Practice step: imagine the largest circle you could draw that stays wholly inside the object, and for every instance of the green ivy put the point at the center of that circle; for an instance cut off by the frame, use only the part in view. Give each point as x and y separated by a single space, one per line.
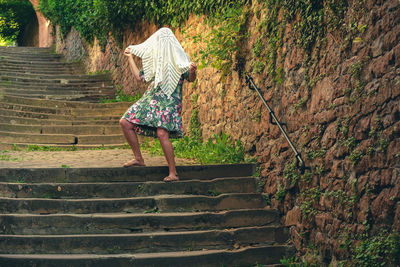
99 17
382 249
219 149
195 126
120 96
14 17
224 41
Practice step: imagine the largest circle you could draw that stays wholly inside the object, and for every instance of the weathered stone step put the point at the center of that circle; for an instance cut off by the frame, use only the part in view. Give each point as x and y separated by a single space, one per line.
133 174
113 111
141 242
13 137
159 203
71 94
29 57
26 49
37 115
34 122
61 129
49 71
64 92
247 256
70 147
57 104
30 88
8 80
36 64
58 76
32 69
10 137
127 189
65 224
84 97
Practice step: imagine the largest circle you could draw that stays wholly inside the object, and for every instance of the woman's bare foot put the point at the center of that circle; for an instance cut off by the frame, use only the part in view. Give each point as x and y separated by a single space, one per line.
134 162
171 178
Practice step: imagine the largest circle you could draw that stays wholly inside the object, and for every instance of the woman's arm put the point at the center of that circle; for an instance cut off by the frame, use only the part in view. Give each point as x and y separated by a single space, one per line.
132 65
192 72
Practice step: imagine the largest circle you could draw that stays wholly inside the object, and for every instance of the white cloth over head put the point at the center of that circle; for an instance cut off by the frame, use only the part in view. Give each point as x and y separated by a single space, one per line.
163 59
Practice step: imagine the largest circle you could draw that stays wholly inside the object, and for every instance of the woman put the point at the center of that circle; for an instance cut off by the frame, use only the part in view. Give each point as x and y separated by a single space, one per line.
158 112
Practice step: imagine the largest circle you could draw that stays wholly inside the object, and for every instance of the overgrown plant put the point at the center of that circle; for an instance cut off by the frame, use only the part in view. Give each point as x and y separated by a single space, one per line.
219 149
100 17
382 249
120 96
14 17
228 30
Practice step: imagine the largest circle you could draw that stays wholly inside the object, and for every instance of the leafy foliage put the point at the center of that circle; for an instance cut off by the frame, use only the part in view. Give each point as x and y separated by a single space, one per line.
99 17
120 96
14 16
220 149
382 249
223 42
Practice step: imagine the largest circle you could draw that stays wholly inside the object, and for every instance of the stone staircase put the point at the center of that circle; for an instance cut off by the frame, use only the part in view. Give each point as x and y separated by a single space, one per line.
128 217
47 101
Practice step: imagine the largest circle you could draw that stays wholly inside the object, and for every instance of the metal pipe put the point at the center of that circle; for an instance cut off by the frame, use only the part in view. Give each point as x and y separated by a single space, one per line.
299 160
112 53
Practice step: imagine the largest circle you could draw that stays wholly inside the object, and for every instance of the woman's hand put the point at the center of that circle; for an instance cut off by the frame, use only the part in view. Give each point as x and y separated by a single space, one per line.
193 67
192 72
127 52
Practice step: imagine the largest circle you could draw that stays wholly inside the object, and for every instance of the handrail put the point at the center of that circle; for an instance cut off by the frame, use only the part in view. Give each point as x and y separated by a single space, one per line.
299 160
112 53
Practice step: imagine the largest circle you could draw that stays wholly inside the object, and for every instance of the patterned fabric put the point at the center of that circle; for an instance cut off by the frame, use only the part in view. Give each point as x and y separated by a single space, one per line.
156 109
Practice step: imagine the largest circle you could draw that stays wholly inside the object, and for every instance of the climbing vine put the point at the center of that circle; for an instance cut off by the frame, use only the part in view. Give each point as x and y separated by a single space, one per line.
14 16
310 20
100 17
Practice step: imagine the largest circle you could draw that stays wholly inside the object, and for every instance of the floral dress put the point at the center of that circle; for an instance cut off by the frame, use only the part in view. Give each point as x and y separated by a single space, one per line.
155 109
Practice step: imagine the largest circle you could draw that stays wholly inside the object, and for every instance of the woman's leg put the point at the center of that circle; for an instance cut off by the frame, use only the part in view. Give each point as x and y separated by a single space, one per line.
131 137
166 145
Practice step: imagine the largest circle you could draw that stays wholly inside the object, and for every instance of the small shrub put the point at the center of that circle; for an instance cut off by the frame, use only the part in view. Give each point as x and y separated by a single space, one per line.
382 249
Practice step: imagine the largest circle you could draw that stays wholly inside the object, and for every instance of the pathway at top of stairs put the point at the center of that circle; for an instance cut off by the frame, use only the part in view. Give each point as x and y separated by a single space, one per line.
47 101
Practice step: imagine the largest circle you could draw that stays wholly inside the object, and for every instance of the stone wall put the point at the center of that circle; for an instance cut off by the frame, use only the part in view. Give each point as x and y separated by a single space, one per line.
344 119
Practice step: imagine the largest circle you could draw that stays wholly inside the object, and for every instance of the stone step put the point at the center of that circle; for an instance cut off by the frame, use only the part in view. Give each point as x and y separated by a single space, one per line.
57 104
26 49
14 137
142 242
10 137
247 256
72 68
61 129
42 77
149 204
83 97
29 57
44 116
72 93
94 95
47 122
100 82
50 71
73 147
37 64
122 223
113 111
213 187
133 174
68 92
